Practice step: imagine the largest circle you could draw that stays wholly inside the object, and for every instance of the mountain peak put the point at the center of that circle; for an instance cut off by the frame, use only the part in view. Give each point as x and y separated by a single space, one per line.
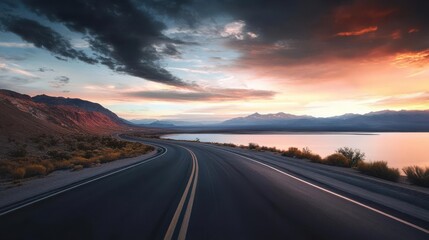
256 114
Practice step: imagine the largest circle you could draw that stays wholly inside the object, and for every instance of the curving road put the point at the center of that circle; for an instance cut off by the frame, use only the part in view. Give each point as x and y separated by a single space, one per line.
200 191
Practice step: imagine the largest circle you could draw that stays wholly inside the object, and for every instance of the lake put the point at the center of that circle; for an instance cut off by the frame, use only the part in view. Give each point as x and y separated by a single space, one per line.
398 149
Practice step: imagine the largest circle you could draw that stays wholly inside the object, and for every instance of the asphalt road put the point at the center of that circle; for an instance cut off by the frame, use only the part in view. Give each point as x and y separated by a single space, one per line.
199 191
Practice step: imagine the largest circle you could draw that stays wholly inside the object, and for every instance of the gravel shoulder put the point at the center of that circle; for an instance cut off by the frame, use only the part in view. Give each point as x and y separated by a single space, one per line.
11 192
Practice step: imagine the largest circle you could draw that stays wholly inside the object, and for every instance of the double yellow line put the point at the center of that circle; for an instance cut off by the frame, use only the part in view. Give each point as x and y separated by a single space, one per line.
193 179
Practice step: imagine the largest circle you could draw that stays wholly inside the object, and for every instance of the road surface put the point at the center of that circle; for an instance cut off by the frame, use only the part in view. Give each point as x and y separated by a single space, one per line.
200 191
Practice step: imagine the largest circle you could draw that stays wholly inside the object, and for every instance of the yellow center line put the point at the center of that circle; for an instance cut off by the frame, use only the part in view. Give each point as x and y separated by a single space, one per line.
175 219
185 222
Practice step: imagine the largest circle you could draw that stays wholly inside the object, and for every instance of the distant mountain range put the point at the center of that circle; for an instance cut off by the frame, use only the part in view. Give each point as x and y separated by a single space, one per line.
381 121
45 114
22 114
170 123
257 119
373 121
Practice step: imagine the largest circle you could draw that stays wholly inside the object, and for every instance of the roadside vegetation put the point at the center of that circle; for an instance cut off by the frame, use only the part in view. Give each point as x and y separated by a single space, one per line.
417 175
349 158
379 169
46 153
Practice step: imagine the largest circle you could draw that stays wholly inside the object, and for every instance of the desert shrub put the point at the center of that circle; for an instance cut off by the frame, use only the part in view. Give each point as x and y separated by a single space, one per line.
337 159
355 156
62 164
82 161
253 146
306 153
83 146
229 145
379 169
269 149
20 151
34 170
417 175
52 141
17 173
58 155
88 155
292 152
41 147
48 165
108 157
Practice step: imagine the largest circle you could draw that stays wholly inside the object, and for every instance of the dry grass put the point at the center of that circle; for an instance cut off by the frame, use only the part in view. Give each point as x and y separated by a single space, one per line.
417 175
305 153
336 159
379 169
46 154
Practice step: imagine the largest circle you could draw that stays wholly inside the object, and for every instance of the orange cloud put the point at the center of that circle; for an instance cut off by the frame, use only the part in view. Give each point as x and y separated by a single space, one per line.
357 33
407 59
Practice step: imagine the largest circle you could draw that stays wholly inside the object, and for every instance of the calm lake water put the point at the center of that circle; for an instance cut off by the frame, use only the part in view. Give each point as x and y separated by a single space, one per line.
398 149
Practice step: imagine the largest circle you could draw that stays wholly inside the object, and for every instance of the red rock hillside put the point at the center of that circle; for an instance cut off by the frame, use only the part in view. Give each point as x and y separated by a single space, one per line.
20 115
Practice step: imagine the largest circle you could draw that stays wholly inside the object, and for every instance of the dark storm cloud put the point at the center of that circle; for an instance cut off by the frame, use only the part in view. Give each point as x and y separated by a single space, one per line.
124 34
121 32
43 37
212 94
310 30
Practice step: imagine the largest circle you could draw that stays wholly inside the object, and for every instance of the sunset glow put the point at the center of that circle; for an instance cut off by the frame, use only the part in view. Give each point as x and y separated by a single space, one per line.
210 64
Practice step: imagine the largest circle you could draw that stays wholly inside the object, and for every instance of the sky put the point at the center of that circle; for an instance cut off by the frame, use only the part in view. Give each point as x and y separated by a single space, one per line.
211 60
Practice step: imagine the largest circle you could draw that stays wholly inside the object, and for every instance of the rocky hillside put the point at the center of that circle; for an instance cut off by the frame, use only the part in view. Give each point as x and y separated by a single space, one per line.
23 115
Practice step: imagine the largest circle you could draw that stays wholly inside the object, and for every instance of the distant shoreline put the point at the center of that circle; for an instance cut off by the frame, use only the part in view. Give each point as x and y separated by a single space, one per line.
281 133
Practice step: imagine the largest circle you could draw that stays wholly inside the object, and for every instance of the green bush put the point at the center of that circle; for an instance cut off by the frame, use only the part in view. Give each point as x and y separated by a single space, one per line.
417 175
337 159
379 169
355 156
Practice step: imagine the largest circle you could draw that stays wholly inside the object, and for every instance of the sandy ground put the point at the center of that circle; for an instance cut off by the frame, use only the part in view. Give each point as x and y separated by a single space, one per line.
13 192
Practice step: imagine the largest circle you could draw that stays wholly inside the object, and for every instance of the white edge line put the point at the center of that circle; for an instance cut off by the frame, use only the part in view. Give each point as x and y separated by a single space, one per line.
80 184
336 194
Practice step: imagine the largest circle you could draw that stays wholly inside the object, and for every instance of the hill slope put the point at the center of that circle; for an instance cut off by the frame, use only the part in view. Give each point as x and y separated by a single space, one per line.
22 114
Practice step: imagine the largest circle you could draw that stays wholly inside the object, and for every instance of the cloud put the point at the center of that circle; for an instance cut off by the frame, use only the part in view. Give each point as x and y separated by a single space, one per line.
358 32
407 59
45 69
14 82
43 37
122 33
60 82
318 31
403 100
16 45
213 94
235 30
13 68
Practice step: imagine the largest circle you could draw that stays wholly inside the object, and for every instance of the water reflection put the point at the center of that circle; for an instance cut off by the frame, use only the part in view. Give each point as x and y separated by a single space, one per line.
398 149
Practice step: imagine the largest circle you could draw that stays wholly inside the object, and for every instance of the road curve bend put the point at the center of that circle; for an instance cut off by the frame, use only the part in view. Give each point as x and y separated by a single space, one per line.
200 191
